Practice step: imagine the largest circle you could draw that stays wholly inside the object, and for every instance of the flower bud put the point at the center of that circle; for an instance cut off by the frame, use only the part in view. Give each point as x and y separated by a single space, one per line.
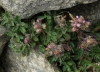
44 26
37 26
38 30
77 16
74 29
39 20
26 40
79 20
78 25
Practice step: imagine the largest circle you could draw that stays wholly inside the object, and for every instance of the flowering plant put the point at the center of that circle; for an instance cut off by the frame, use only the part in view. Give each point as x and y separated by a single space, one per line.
70 44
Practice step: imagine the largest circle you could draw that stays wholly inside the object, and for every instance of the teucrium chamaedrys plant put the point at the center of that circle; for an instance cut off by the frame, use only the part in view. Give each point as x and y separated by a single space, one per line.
67 43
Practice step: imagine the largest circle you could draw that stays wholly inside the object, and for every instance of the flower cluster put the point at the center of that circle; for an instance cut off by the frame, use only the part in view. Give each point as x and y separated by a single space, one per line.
57 50
88 42
27 39
38 26
79 23
60 20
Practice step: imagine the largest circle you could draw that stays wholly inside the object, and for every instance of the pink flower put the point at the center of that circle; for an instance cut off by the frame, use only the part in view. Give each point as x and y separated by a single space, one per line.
75 25
38 30
79 20
77 16
88 23
39 20
49 46
74 29
78 25
26 40
84 21
34 23
37 26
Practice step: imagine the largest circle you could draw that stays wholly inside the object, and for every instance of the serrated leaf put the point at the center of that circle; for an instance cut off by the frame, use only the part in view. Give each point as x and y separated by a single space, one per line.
35 38
79 54
23 48
67 36
54 33
10 33
48 17
22 24
61 40
59 34
17 19
41 17
17 39
12 23
23 30
14 29
42 48
98 36
54 38
64 68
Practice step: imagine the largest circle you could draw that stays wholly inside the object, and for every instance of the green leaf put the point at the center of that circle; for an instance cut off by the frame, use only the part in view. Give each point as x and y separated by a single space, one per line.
54 33
14 29
22 24
79 54
54 38
11 45
9 33
35 38
42 48
70 63
61 40
98 36
48 17
67 36
7 13
12 22
69 29
41 17
68 68
21 37
33 44
3 22
23 30
59 34
17 39
64 30
23 47
64 68
5 19
17 20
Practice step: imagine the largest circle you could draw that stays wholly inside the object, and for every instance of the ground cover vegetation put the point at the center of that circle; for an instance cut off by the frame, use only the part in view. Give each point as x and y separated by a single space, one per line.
71 42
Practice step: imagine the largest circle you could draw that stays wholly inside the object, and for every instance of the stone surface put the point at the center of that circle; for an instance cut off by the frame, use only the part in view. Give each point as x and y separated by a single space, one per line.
27 8
3 38
35 62
90 11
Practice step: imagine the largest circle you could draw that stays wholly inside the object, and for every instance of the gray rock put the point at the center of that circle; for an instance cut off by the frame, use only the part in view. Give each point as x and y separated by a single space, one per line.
3 38
35 62
1 70
27 8
90 11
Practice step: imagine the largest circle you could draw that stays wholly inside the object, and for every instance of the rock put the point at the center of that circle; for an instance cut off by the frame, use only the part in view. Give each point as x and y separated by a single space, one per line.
27 8
3 38
90 11
35 62
1 70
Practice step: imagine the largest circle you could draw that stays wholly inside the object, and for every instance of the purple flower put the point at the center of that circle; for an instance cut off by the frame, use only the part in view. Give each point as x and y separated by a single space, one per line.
26 40
78 25
74 29
77 16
